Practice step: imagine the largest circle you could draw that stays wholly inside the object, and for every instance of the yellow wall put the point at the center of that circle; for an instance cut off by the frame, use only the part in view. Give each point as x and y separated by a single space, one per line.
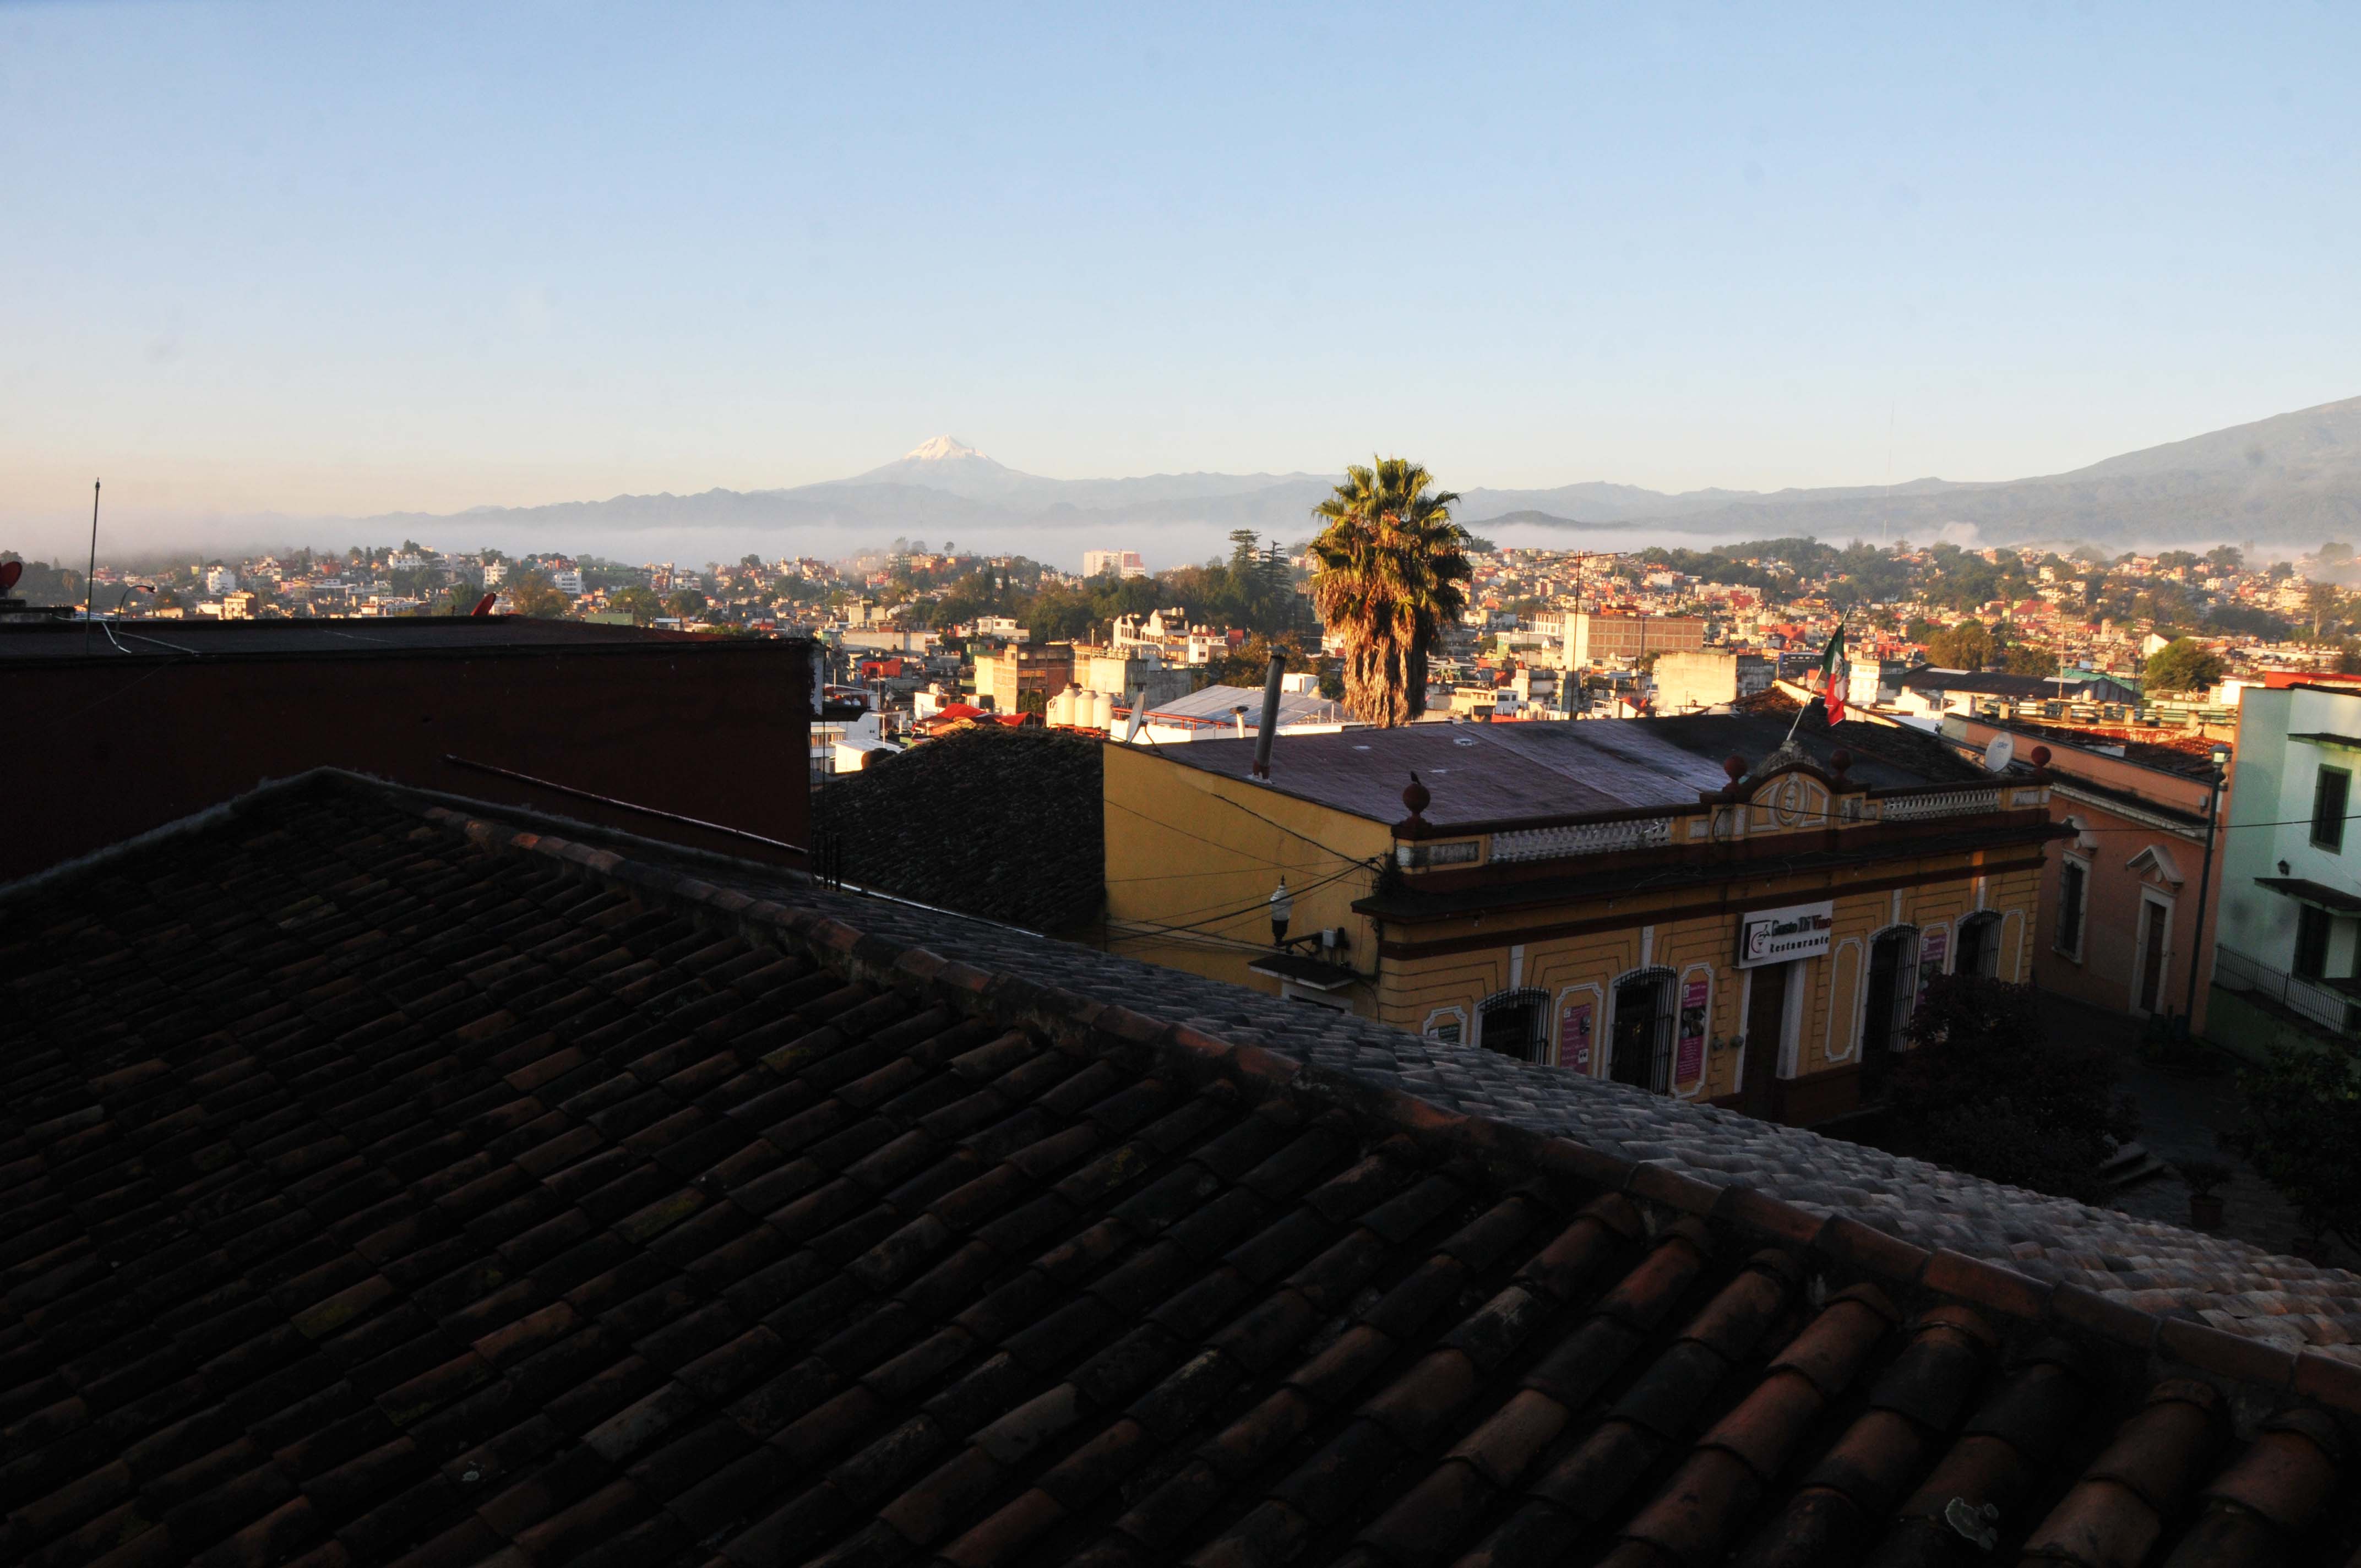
1418 993
1189 848
1186 848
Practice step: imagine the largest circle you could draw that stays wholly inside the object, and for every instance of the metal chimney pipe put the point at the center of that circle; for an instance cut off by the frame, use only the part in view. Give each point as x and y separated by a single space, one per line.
1269 717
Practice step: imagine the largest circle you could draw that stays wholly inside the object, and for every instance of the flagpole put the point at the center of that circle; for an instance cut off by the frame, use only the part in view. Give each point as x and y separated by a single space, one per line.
1801 708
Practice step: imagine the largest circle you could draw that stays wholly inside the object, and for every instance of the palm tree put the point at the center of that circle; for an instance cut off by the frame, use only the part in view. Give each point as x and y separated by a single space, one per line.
1392 563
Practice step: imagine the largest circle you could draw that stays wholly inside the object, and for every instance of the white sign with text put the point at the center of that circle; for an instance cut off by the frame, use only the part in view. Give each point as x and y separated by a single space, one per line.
1775 935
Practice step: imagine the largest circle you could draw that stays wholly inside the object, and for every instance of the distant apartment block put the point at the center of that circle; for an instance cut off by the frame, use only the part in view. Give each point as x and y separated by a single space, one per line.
1686 682
1599 637
1118 563
220 579
1017 673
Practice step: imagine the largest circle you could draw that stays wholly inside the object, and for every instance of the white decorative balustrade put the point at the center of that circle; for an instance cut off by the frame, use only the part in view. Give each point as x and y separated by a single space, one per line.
1949 803
1582 839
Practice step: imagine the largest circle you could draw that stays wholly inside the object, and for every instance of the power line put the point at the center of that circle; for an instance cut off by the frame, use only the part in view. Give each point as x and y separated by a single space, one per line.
1246 909
2226 826
1233 848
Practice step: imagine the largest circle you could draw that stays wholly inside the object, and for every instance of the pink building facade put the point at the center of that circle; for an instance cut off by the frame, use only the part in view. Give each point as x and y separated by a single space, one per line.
2120 925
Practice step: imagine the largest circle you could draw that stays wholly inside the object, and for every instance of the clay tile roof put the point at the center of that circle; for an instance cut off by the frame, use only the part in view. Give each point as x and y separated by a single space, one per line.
383 1185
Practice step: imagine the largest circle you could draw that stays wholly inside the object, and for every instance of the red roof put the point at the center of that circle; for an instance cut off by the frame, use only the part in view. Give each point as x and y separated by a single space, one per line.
2277 680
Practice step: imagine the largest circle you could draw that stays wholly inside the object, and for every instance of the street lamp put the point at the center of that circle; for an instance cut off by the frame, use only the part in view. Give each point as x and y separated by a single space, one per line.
1282 906
2220 759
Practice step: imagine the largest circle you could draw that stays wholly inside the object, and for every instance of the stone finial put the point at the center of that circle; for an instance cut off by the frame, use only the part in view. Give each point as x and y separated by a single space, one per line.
1416 798
1840 762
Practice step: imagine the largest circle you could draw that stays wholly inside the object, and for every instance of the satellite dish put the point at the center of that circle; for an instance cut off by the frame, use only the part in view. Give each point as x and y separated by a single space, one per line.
1998 755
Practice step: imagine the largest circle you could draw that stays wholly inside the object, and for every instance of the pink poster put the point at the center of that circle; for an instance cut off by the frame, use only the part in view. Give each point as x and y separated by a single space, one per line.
1931 948
1574 1036
1689 1064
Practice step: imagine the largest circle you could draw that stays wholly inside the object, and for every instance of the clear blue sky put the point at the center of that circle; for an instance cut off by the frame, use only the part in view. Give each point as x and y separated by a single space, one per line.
333 259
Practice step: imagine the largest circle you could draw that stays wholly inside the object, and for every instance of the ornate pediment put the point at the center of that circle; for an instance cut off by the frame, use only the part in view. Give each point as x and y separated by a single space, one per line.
2156 861
1791 797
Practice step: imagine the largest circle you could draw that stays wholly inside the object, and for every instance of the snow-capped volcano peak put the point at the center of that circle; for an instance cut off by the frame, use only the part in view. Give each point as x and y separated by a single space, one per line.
941 448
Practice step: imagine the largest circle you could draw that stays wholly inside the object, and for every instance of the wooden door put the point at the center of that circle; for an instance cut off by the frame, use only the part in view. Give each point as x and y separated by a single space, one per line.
2151 954
1767 1028
1885 981
1632 1058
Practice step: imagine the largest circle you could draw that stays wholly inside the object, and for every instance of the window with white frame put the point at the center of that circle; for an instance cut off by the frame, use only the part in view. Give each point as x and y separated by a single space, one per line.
2073 904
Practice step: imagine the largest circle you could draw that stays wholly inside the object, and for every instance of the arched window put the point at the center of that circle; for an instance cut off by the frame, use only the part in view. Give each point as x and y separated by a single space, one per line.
1978 946
1515 1024
1639 1049
1892 991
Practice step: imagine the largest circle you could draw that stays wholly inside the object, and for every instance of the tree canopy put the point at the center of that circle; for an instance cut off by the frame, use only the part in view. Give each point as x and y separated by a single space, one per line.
531 593
1392 570
1984 1090
2184 665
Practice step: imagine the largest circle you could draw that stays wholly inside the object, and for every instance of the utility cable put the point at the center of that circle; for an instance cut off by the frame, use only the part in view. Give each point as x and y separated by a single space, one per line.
1247 909
1259 904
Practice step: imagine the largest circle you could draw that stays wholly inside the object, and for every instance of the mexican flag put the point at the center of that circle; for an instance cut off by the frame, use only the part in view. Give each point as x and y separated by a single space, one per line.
1832 677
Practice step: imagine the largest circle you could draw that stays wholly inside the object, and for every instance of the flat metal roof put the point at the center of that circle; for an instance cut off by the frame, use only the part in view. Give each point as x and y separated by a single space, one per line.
1492 772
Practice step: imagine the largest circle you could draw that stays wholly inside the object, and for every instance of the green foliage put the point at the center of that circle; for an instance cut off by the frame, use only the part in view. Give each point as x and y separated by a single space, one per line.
2183 664
637 601
45 584
2248 620
2302 1133
1254 590
1966 646
687 604
1985 1090
1771 565
2028 659
1392 574
2202 1175
532 594
1251 665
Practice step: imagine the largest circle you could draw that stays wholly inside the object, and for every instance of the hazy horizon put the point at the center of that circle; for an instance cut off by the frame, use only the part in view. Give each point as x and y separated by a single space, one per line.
270 260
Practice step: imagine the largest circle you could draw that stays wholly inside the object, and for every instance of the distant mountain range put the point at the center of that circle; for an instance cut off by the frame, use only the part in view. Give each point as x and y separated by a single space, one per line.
2293 480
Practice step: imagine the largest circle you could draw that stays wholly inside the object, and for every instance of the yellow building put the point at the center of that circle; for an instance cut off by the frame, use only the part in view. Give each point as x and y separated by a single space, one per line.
1681 904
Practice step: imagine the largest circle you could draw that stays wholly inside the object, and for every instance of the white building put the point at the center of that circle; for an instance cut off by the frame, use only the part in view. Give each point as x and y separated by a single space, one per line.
2289 934
220 579
849 746
495 573
566 580
1118 563
1221 713
1708 678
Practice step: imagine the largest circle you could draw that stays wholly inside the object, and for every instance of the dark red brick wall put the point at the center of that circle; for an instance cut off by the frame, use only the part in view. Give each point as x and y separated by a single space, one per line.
96 750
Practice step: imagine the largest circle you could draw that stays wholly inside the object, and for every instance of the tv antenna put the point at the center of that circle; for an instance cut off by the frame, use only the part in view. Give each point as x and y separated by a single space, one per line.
90 578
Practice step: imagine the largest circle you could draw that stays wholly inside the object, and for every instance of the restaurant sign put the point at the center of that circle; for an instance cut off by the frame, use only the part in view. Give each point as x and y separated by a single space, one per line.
1775 935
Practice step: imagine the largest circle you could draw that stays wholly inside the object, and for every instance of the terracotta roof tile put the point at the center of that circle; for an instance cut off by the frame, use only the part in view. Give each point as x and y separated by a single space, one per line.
422 1194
